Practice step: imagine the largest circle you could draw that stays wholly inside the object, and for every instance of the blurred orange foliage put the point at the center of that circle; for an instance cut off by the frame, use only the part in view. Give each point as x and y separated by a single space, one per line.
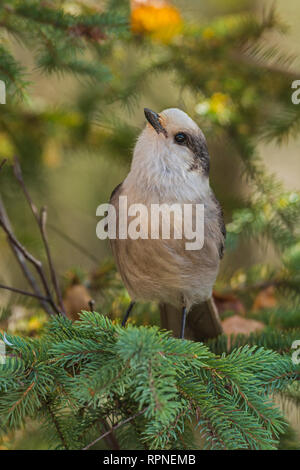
158 19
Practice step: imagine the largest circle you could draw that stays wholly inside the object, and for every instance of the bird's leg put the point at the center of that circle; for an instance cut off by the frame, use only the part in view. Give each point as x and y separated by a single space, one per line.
183 319
128 312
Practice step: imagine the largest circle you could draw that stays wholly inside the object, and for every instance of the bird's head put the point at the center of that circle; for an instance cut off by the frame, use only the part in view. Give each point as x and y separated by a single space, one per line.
171 149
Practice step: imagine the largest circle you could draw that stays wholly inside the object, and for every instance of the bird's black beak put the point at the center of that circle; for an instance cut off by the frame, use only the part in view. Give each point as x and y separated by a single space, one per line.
154 119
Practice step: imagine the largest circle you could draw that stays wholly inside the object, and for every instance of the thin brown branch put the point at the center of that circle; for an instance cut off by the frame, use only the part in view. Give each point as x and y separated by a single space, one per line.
22 262
41 221
110 438
116 426
23 292
43 218
24 395
35 262
19 178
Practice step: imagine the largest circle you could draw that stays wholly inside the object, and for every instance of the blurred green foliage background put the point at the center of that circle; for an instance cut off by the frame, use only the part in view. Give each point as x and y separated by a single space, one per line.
72 120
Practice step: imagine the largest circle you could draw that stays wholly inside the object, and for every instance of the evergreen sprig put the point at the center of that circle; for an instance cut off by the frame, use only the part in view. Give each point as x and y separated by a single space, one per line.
93 371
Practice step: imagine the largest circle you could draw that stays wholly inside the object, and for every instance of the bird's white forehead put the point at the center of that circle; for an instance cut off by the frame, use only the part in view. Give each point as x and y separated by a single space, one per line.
176 119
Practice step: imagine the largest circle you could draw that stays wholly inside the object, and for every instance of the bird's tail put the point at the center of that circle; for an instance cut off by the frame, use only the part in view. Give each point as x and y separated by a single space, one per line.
203 321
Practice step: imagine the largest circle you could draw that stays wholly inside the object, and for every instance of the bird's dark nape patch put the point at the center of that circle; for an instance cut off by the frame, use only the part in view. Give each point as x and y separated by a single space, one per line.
197 145
115 192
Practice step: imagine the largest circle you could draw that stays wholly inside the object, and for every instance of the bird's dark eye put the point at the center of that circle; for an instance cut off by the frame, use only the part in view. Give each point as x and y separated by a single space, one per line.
180 138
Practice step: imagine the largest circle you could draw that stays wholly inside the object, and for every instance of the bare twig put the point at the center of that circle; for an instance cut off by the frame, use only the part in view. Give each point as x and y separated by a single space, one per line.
92 305
121 423
41 221
19 178
43 218
22 254
23 292
110 438
36 263
22 262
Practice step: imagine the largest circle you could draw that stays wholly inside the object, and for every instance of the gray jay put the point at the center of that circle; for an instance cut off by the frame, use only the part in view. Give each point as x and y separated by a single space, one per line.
170 166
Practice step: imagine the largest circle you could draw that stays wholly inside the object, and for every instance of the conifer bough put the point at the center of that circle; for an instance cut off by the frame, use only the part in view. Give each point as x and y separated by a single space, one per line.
87 379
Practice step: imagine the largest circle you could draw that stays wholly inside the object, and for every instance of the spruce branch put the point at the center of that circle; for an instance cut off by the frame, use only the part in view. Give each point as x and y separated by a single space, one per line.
56 424
103 371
